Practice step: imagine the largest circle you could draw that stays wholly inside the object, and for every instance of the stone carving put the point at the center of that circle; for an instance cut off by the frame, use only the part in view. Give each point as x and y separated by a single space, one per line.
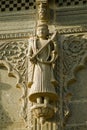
11 71
71 30
42 53
15 35
14 53
43 12
13 57
28 34
74 53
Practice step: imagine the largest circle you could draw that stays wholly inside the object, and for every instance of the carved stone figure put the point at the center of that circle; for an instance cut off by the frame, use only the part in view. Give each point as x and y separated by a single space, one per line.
42 55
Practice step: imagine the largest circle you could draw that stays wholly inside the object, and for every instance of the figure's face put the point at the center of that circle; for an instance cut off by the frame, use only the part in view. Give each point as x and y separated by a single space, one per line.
42 32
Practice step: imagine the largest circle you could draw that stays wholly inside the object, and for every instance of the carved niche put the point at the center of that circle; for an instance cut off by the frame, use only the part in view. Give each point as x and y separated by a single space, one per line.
74 69
13 58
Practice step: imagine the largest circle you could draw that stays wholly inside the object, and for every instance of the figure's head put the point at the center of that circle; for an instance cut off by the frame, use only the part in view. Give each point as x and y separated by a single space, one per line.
42 31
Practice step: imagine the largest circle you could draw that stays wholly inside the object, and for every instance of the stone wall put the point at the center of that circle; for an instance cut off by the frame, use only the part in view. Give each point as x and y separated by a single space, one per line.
16 27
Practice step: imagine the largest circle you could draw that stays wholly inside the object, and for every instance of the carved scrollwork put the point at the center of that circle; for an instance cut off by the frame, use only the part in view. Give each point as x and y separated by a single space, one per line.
11 71
13 57
74 49
71 30
14 52
74 56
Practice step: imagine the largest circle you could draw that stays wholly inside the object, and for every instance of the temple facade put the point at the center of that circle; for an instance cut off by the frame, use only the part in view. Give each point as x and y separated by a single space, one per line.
43 58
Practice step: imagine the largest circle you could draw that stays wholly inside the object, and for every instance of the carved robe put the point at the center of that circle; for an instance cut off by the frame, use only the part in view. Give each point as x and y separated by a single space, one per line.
40 74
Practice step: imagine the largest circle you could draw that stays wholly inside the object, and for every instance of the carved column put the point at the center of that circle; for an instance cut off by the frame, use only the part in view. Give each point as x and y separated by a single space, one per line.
42 55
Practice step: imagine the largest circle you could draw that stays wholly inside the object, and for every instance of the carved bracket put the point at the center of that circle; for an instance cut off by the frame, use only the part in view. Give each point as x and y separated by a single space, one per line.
74 52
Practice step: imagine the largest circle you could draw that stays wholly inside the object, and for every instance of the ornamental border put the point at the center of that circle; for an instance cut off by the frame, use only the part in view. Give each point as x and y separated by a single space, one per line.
28 34
82 29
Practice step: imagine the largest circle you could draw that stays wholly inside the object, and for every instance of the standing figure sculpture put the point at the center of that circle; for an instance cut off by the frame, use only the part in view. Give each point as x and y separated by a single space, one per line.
42 53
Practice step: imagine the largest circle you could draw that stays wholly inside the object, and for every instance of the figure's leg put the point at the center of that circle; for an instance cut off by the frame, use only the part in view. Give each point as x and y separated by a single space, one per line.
39 100
46 100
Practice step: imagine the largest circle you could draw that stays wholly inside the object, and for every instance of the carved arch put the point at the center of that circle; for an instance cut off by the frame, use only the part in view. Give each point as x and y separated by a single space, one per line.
76 69
12 72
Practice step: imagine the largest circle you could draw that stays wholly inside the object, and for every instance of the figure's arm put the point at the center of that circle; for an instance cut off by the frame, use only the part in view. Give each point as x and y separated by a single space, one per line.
30 51
54 53
30 63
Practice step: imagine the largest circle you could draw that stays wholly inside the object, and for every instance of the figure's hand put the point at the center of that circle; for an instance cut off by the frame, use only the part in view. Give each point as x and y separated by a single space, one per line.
54 52
33 60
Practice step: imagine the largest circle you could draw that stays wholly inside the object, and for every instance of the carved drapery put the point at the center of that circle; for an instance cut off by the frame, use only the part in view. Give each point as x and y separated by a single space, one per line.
42 54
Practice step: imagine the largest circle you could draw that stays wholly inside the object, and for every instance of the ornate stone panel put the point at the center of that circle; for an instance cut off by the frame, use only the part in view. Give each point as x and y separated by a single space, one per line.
13 63
74 79
70 67
70 71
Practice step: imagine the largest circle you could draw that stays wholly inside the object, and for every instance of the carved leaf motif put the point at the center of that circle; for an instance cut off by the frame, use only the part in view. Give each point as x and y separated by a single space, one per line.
14 52
74 48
